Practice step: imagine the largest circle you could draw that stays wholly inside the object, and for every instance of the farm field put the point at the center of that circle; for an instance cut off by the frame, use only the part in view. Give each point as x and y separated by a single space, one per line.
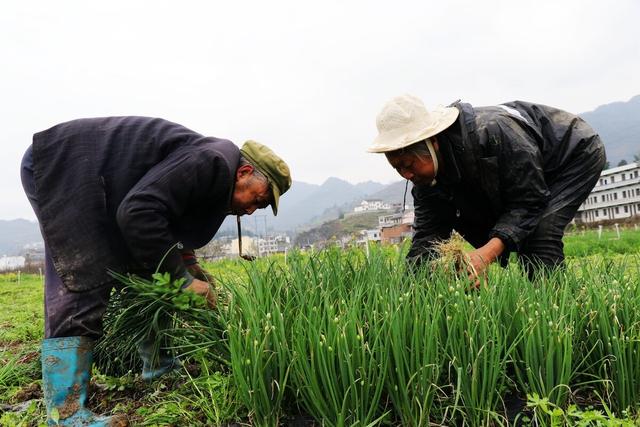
343 338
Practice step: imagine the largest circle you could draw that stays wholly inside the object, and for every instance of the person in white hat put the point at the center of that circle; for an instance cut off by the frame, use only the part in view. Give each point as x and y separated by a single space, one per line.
508 178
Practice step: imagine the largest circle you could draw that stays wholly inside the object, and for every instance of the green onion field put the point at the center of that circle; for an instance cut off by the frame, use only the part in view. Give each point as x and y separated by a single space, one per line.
357 338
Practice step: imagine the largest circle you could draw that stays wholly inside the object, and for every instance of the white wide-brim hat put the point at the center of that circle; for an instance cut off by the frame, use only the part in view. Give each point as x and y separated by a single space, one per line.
404 121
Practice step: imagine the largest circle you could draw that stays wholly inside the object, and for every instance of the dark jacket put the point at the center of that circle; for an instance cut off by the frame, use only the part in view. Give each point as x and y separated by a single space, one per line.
119 193
496 167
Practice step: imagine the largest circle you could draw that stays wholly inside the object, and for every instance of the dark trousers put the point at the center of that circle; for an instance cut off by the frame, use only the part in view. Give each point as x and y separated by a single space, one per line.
66 313
569 189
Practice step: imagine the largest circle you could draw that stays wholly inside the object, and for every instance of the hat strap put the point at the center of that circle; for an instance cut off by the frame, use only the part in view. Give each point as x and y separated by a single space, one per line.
434 158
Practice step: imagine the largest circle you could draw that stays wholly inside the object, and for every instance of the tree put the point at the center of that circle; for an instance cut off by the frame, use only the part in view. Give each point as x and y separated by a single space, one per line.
622 162
636 157
213 249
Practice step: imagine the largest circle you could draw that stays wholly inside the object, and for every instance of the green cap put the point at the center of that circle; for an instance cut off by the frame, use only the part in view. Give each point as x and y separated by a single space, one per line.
271 166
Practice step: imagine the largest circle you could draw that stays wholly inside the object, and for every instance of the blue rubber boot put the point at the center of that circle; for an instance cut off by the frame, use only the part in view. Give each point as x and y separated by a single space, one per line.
66 366
155 366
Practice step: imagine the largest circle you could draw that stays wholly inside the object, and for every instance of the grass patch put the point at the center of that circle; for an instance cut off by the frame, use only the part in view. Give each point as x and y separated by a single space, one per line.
588 243
357 339
21 329
23 322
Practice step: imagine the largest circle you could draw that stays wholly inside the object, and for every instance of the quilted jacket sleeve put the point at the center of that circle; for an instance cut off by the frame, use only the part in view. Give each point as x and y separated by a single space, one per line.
185 180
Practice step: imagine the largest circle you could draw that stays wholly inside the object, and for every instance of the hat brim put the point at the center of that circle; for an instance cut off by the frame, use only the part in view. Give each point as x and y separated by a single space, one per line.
276 199
401 138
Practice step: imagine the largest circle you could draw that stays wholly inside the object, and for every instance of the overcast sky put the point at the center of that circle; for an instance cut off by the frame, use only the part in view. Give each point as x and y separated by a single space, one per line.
305 78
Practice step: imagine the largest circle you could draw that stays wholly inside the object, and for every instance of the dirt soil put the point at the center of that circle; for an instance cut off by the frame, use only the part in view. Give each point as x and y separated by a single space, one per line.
28 392
103 401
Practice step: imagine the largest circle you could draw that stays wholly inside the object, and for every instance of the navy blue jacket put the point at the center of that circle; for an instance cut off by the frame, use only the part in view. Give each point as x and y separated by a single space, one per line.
119 193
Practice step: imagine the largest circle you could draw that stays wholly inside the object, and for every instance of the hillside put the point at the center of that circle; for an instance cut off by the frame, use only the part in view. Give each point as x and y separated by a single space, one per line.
16 233
338 228
393 193
618 124
306 205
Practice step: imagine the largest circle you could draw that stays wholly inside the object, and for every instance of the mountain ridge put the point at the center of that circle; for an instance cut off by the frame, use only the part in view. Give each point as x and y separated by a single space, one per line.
618 124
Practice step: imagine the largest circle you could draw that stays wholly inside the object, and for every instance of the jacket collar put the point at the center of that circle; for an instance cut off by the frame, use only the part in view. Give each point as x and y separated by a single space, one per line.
452 142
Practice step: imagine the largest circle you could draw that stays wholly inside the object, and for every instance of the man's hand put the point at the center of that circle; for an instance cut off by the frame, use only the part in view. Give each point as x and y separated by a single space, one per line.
480 259
200 287
200 273
194 268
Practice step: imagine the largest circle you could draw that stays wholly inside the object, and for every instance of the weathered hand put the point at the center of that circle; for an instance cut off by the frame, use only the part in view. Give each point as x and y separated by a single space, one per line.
479 259
476 266
200 273
204 289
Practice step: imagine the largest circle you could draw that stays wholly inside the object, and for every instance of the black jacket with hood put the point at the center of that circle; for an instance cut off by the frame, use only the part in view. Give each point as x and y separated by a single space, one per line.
496 165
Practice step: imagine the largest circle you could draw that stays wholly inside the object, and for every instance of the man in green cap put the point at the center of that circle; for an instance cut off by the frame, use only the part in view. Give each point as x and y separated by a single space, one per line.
128 194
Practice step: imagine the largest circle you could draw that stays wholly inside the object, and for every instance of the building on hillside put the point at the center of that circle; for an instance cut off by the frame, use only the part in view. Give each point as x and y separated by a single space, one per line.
249 246
366 236
217 248
398 207
33 252
405 217
396 227
372 205
278 244
615 196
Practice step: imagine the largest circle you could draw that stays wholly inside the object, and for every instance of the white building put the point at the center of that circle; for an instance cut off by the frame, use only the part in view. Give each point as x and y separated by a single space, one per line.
273 244
249 246
397 218
11 262
615 196
372 205
369 236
